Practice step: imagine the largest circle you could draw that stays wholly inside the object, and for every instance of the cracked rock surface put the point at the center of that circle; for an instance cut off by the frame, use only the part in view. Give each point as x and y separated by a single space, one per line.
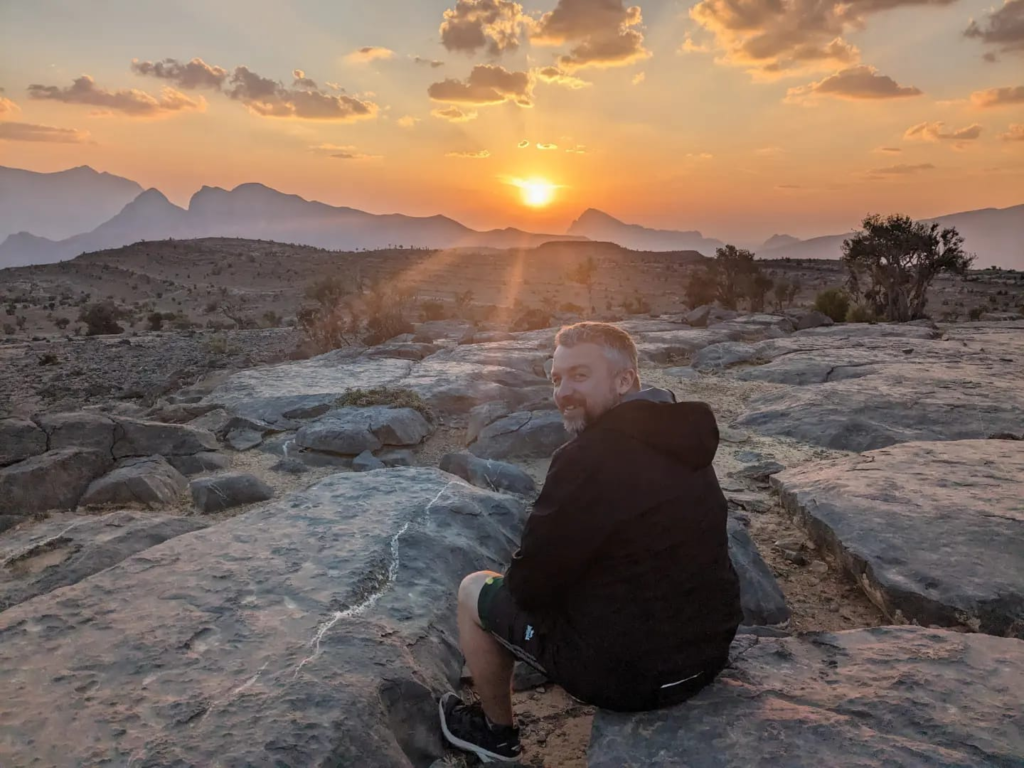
877 697
248 643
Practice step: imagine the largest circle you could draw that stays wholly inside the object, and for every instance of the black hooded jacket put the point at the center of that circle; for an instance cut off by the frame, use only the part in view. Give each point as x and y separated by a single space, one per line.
626 550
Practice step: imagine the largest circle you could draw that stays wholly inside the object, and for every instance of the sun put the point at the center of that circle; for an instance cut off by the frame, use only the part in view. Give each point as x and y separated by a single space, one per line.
536 193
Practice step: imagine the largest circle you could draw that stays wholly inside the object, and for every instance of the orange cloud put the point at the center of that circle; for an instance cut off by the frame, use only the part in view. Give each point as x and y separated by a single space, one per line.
901 169
937 132
1003 29
603 33
478 155
1014 133
44 133
486 84
369 53
523 144
556 76
855 83
454 114
475 24
771 38
188 75
408 121
343 152
547 146
998 97
130 101
269 98
7 107
432 63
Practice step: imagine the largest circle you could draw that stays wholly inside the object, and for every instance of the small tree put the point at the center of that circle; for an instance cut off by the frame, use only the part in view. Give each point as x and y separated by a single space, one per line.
156 321
328 291
700 290
62 323
734 271
101 318
463 300
584 273
893 260
833 302
758 290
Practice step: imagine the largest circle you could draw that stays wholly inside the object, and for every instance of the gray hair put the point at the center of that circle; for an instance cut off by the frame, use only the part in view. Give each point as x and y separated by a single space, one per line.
618 345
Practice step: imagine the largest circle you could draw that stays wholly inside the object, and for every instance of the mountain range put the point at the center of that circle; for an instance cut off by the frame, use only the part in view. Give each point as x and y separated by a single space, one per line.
56 216
995 235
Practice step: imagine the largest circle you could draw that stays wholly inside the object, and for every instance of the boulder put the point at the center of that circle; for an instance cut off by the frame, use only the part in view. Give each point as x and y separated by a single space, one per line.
267 393
230 489
684 372
213 421
442 330
490 474
147 438
698 317
931 531
402 350
397 457
864 393
484 415
315 630
809 318
352 430
149 481
887 696
243 439
51 480
290 467
78 429
522 356
760 594
723 355
204 461
526 434
20 439
366 462
38 559
663 347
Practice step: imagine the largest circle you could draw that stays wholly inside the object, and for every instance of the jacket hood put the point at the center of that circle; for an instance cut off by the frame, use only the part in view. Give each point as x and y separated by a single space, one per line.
688 431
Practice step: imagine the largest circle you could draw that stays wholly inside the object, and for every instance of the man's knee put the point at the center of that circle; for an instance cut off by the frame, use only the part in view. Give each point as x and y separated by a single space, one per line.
469 591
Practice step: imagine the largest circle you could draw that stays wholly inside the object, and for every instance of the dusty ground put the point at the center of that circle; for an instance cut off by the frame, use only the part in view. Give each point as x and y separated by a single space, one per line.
216 282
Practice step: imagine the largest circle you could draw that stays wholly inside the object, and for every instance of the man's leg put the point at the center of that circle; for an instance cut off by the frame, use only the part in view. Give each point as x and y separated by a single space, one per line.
489 662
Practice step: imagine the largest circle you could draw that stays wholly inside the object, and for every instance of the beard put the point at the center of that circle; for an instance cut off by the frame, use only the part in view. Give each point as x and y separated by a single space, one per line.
583 415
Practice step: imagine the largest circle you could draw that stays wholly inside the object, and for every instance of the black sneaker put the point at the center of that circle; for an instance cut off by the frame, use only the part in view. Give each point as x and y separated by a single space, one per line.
466 727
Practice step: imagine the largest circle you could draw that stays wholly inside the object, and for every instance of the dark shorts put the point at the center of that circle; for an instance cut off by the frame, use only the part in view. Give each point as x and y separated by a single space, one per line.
565 659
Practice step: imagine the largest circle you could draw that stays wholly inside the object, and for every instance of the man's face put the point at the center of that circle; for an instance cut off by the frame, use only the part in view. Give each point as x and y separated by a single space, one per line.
586 385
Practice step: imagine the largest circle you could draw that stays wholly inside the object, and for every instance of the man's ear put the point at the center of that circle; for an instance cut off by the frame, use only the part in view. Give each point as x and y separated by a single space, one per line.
626 381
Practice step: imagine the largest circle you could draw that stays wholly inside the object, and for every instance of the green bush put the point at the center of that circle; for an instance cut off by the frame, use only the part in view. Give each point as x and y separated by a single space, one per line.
833 302
975 313
431 309
101 318
860 313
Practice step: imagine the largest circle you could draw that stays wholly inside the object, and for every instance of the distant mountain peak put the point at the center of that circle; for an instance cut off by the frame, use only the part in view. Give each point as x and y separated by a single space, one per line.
594 216
779 241
598 225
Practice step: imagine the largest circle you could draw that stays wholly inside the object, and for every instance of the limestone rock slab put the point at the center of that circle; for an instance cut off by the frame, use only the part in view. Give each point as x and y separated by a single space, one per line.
933 531
314 630
873 698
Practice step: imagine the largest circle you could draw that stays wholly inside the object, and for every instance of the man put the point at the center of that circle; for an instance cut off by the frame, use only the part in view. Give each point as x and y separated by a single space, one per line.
622 590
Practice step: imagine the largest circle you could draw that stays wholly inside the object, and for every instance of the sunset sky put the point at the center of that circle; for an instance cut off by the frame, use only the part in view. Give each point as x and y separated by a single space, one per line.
741 118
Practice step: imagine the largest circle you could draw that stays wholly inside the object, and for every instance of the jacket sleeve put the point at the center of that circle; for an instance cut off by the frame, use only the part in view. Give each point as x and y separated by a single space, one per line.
563 533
